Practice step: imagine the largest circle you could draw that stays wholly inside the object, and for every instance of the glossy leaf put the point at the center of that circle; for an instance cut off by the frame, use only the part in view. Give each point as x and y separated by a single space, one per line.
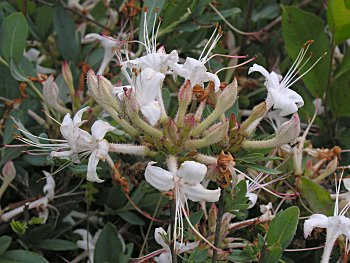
5 242
22 256
13 35
339 19
298 27
57 245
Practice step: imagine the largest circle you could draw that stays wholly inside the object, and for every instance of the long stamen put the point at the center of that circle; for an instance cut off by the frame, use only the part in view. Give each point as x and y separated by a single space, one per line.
153 38
226 56
297 62
321 57
236 66
38 137
213 45
52 118
206 45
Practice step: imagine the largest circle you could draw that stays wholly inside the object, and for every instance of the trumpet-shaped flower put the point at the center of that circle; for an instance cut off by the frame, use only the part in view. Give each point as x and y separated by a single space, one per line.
279 95
87 242
185 183
110 45
33 55
147 86
335 225
77 142
158 60
161 236
195 70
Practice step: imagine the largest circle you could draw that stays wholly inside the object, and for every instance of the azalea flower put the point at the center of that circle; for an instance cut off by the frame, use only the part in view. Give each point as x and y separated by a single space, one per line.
161 236
77 142
40 204
185 183
335 225
88 242
147 86
109 44
283 99
158 60
51 95
33 55
195 70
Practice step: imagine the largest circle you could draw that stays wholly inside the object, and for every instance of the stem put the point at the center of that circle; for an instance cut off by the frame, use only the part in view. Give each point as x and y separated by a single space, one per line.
218 224
172 223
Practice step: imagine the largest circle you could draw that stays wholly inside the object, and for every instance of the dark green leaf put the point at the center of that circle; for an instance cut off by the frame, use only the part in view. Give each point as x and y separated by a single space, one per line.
5 242
67 41
318 198
131 218
13 35
263 169
298 27
43 21
22 256
57 245
108 245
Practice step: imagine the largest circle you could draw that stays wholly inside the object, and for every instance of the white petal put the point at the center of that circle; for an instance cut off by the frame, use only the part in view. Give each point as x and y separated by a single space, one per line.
91 170
215 79
66 127
49 188
100 128
188 247
315 220
159 232
159 178
79 114
282 102
192 172
346 183
198 193
252 199
64 154
152 112
258 68
164 258
148 86
32 54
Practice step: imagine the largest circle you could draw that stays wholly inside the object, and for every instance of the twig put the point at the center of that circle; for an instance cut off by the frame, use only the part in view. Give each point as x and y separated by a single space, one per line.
218 224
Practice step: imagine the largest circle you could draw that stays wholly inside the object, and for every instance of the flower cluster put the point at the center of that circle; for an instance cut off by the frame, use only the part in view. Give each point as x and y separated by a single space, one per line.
137 107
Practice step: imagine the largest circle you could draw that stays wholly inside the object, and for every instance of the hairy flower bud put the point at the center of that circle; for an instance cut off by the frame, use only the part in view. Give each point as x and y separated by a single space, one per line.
68 77
9 171
249 125
286 133
185 97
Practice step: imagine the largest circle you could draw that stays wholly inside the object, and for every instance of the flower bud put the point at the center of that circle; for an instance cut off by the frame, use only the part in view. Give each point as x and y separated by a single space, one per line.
257 114
227 98
51 97
330 169
287 133
92 84
185 97
9 171
132 106
171 131
189 123
213 214
67 76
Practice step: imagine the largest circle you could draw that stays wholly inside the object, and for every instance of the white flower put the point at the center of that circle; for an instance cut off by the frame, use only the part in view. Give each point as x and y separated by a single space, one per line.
185 184
335 225
33 55
51 95
147 87
110 45
195 70
88 242
77 142
165 257
154 59
279 95
40 204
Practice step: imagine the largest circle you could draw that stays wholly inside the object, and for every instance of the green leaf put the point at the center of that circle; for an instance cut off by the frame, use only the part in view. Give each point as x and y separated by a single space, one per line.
44 21
13 35
344 67
281 232
68 42
298 27
263 169
108 245
5 242
22 256
153 7
318 198
166 98
131 218
198 255
339 19
57 245
282 228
